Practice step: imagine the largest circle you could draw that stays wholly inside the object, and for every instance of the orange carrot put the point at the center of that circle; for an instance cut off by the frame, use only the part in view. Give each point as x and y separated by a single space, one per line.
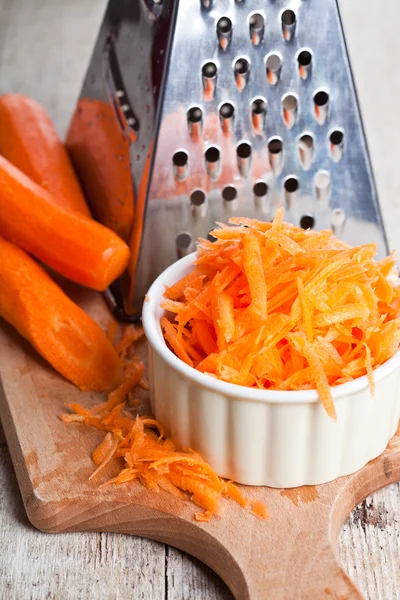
131 335
56 327
100 153
112 329
75 246
131 379
30 141
277 307
155 461
104 453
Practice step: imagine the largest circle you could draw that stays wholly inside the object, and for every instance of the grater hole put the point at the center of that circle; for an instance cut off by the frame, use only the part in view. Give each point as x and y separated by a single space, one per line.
288 19
241 66
227 110
322 180
322 184
275 146
180 158
274 62
260 197
304 58
184 244
226 114
321 106
241 69
224 25
197 198
321 98
289 108
291 184
273 65
336 138
212 154
275 154
210 237
307 140
209 70
180 161
260 189
224 32
256 25
336 144
289 102
194 121
307 222
338 219
243 150
256 21
229 193
194 114
306 150
259 108
212 158
183 240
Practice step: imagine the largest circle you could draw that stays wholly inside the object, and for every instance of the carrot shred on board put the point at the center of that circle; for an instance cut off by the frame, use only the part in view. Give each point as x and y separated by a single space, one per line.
339 309
148 455
154 460
259 510
131 335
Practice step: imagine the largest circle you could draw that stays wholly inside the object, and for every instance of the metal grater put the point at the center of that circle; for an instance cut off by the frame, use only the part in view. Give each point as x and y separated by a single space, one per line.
225 107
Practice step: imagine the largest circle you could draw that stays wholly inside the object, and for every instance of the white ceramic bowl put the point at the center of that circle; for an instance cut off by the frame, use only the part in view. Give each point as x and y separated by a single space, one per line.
257 437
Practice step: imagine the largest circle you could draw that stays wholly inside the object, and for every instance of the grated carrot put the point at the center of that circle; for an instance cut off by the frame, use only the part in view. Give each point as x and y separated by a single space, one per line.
112 329
338 308
154 460
131 335
149 456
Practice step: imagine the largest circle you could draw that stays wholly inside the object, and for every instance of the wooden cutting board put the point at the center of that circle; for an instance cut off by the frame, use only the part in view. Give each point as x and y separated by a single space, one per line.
291 556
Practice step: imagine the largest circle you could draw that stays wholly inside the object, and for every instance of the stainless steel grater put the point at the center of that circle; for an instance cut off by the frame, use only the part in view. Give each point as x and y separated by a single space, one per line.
222 107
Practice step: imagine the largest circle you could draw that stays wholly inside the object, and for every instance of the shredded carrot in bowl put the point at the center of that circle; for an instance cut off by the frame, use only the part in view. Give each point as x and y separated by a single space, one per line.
274 307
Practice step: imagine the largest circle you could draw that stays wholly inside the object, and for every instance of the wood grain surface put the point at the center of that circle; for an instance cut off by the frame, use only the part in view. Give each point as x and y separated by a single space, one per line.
293 555
44 49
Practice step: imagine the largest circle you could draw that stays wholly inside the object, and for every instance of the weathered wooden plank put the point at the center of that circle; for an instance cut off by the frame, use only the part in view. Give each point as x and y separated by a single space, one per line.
189 579
34 565
102 566
28 29
370 545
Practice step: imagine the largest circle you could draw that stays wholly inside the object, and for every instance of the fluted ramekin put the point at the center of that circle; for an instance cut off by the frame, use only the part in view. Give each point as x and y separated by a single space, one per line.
256 437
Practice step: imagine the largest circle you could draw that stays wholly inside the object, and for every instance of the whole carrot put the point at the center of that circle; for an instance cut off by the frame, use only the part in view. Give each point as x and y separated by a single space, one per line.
55 326
77 247
29 140
100 152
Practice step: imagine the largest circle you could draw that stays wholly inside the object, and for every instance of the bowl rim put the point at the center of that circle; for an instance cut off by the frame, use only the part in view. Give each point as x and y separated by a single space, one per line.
155 338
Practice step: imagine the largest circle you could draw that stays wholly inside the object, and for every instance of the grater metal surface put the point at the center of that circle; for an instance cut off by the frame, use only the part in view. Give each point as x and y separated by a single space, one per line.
229 107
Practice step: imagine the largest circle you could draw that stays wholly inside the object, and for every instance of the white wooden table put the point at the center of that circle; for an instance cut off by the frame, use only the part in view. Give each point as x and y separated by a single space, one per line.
44 49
